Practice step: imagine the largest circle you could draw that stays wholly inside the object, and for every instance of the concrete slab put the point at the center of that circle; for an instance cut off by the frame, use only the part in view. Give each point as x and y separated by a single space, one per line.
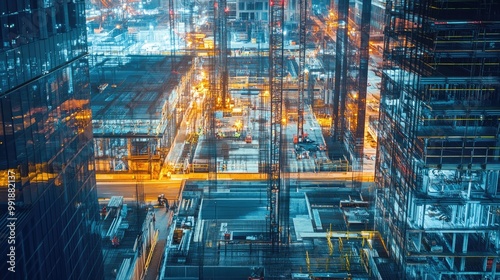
302 225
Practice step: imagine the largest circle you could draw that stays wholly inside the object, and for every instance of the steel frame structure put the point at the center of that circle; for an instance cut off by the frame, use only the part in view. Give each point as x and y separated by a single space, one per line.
276 76
340 86
302 68
359 38
438 193
221 52
171 23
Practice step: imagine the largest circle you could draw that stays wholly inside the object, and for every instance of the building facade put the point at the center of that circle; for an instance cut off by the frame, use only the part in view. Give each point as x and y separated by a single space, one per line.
377 21
438 158
49 210
137 111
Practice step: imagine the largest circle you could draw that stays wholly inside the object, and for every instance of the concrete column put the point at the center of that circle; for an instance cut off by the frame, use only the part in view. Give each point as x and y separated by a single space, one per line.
464 250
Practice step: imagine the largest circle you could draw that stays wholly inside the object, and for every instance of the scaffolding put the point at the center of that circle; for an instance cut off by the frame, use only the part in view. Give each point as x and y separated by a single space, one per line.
359 37
351 79
276 76
340 70
219 93
135 123
222 52
171 23
302 68
437 167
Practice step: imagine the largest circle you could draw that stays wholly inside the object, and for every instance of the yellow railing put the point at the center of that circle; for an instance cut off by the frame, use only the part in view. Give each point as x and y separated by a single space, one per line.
151 251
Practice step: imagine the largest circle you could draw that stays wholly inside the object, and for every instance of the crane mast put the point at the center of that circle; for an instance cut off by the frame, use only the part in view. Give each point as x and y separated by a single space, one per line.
171 23
222 53
302 70
276 75
340 85
219 97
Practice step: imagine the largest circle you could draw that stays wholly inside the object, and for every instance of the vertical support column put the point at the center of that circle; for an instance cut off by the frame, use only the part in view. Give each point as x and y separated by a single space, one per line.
464 250
221 11
129 153
361 88
276 75
213 73
340 69
171 21
454 242
302 70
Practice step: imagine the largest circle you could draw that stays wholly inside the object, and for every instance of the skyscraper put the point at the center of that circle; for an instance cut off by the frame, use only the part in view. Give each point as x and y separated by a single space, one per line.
437 173
49 211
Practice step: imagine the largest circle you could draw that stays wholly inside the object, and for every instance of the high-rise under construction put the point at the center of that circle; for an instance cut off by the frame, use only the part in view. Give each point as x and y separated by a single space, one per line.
438 163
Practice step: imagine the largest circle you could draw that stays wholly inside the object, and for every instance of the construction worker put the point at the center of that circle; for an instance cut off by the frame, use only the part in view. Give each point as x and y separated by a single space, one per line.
103 212
115 242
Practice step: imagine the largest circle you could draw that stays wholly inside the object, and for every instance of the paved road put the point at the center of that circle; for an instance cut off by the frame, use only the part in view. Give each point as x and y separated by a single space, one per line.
127 189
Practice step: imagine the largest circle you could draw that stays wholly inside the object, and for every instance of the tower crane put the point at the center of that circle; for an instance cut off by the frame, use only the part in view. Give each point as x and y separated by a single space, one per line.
222 53
276 76
219 97
302 69
171 23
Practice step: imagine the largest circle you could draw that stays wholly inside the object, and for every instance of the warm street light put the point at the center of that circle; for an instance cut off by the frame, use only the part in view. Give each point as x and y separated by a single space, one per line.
238 124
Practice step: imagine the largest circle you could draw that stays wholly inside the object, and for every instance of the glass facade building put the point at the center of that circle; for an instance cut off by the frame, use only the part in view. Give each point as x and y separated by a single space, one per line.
48 200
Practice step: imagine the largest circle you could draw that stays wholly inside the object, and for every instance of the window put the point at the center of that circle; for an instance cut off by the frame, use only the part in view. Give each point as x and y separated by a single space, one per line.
61 16
50 22
33 4
263 16
12 6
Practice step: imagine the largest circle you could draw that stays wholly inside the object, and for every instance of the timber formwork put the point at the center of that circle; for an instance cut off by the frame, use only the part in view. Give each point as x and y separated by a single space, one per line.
437 170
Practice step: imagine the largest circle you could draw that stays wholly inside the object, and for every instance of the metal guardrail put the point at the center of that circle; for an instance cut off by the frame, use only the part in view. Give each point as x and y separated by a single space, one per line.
151 251
114 227
115 201
124 269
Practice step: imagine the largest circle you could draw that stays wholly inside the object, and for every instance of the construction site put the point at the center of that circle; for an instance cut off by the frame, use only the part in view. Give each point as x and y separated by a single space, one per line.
138 105
264 106
225 234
